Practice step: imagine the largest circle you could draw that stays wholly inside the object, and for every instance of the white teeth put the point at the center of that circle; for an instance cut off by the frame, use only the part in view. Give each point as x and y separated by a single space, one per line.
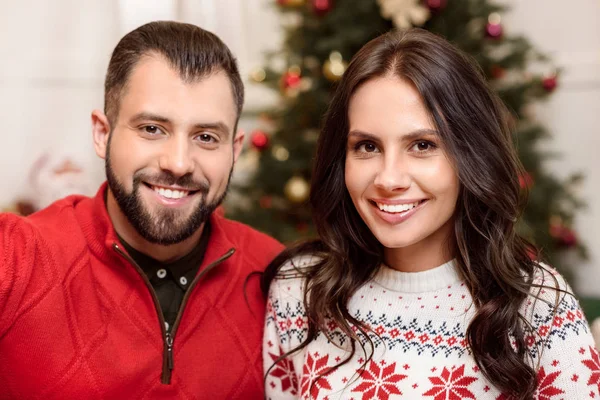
397 208
170 194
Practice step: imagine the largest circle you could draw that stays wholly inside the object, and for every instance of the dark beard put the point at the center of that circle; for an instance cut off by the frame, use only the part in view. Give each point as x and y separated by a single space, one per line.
166 226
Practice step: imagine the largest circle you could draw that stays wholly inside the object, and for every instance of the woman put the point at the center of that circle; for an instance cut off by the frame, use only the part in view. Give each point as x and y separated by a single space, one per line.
419 286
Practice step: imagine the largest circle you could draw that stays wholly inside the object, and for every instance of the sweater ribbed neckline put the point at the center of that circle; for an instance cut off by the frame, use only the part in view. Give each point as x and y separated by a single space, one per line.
419 282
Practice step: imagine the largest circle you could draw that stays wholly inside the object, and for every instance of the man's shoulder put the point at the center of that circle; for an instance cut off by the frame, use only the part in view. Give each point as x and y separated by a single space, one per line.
15 227
51 224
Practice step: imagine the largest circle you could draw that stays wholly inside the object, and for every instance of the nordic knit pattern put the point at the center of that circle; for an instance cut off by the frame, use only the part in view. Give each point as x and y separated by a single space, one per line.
420 348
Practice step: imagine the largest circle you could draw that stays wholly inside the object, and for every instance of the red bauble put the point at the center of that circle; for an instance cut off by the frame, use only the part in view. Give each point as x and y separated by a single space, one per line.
291 80
435 5
493 31
497 72
260 140
564 236
525 181
266 202
549 83
568 238
321 7
302 227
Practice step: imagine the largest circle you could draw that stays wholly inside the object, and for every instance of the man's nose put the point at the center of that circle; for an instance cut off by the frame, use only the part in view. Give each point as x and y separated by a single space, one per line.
176 156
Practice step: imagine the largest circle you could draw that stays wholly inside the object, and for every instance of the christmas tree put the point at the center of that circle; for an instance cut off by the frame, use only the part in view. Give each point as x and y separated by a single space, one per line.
322 35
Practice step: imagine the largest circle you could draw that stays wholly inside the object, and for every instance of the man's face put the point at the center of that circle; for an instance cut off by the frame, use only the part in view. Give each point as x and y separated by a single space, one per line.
171 151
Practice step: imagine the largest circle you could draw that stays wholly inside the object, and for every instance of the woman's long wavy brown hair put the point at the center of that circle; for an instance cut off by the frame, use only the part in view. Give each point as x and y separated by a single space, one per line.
494 260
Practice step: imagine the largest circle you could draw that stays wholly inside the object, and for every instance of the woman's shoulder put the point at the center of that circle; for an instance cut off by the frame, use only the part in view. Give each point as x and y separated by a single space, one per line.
552 308
548 288
298 266
289 282
549 285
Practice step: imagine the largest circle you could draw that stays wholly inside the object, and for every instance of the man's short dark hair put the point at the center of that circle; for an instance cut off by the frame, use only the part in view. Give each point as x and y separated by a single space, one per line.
189 49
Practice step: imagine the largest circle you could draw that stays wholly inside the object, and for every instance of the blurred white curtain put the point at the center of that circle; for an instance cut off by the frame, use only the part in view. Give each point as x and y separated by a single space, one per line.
248 27
54 54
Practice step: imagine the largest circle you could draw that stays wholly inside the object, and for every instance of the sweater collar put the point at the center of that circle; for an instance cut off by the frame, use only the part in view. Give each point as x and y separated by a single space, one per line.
419 282
101 236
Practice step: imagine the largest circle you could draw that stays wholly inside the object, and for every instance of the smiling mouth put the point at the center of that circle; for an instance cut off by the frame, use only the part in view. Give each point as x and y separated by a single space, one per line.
397 208
171 193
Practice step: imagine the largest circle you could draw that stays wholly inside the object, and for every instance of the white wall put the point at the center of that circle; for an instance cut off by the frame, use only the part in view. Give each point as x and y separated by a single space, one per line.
53 56
570 33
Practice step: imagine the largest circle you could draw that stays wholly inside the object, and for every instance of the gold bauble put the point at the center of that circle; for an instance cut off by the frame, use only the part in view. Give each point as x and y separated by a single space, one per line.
258 75
334 67
280 153
297 189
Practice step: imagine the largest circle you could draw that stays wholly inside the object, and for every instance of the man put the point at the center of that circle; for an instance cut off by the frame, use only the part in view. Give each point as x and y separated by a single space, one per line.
144 290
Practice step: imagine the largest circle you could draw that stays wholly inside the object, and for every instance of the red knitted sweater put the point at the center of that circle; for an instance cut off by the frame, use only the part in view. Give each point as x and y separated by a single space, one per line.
78 321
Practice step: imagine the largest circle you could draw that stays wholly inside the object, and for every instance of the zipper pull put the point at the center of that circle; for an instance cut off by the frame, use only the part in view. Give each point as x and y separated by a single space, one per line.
169 342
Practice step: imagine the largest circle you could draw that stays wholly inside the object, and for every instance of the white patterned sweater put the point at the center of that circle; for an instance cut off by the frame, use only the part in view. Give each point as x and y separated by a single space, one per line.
420 348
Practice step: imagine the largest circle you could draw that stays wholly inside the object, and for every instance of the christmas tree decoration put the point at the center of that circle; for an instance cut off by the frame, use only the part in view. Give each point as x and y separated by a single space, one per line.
334 67
497 72
258 75
564 236
290 81
404 13
550 82
259 140
266 202
302 227
322 7
494 29
313 46
525 181
297 189
280 153
436 5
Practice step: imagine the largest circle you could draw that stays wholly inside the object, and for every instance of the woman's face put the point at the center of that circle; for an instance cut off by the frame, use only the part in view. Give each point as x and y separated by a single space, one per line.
398 176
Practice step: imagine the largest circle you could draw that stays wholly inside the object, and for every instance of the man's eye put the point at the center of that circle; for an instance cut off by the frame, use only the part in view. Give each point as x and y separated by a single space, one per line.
152 129
206 138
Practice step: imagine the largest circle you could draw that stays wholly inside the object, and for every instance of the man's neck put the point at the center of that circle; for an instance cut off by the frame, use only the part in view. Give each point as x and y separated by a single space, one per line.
129 234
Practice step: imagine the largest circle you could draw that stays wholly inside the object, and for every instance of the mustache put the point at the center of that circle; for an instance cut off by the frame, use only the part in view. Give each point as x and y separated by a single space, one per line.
166 178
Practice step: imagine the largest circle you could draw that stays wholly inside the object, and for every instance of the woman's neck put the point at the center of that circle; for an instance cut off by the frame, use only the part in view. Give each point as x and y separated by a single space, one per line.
428 253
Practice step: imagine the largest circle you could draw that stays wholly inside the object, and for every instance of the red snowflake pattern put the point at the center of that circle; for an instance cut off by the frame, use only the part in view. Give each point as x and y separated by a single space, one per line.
284 370
313 375
594 365
378 383
451 385
545 390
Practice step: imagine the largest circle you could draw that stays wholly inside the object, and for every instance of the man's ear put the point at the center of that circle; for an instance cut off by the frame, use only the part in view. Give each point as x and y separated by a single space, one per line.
238 144
100 132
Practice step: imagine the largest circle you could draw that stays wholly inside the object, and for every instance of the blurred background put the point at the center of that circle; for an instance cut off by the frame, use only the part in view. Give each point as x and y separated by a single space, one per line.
542 57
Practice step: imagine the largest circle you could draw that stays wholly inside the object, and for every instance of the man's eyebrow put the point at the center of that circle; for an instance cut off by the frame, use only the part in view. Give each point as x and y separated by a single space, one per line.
146 116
